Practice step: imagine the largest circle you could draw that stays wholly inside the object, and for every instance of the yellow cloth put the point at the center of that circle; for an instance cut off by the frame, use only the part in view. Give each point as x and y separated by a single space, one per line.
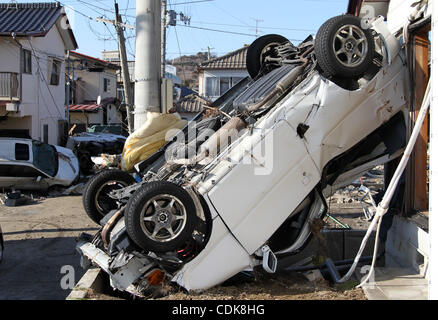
145 141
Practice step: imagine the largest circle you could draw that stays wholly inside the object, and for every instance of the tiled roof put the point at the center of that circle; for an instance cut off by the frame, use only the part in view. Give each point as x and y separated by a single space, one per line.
92 107
78 56
190 105
85 107
232 60
28 18
33 19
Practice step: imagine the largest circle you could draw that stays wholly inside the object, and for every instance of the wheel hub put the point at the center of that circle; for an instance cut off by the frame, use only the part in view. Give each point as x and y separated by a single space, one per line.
163 218
350 46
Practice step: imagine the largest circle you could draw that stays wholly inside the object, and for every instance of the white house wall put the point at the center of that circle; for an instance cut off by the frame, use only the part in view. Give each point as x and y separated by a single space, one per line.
43 102
91 85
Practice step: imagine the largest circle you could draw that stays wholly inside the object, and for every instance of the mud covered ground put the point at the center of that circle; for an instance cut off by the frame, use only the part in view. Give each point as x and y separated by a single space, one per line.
40 240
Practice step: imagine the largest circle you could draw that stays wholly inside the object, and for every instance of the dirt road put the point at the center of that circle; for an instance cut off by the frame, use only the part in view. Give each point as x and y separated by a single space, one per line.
39 241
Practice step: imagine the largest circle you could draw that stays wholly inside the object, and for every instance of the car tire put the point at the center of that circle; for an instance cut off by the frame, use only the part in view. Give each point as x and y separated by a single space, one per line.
96 203
343 48
160 217
259 49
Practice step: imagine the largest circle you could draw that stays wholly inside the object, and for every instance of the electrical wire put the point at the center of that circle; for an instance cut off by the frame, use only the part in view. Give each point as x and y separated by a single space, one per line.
44 80
179 48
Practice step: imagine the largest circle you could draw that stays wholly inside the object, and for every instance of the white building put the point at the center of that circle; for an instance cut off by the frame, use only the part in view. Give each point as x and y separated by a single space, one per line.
218 75
34 38
93 98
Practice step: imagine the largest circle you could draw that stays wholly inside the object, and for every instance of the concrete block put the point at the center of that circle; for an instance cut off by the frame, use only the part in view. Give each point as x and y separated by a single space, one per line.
92 280
313 275
407 246
396 284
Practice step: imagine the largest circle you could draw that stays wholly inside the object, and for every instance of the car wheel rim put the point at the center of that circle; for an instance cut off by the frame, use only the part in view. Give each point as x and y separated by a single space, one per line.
104 203
163 218
350 46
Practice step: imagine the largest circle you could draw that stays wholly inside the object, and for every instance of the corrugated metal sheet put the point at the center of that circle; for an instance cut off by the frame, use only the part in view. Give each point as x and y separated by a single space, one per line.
232 60
28 18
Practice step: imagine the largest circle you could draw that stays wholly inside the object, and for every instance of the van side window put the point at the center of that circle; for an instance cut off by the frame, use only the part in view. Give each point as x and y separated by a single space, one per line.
22 152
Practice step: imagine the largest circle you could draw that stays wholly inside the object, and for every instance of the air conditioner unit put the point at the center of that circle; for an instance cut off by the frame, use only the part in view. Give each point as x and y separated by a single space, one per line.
12 107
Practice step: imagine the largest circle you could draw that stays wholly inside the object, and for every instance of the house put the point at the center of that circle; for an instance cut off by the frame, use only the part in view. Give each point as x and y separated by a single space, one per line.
113 57
93 96
34 38
218 75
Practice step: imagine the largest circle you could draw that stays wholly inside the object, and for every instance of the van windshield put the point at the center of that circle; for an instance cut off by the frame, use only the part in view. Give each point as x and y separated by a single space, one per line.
45 158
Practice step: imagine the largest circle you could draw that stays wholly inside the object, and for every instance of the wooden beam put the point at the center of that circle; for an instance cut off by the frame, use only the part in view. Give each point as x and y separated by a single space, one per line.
419 160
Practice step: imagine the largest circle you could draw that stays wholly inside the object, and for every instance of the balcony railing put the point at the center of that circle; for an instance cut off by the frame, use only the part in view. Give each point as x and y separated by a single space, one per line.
9 86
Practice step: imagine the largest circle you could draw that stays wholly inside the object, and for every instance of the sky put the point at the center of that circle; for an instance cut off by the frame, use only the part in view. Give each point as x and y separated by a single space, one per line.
237 19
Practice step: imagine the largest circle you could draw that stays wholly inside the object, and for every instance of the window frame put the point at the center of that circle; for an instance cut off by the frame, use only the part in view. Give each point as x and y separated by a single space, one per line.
27 61
55 63
106 85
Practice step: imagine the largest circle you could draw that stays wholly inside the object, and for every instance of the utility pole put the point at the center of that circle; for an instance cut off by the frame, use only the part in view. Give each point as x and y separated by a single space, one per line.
67 94
125 70
148 60
257 21
163 37
209 52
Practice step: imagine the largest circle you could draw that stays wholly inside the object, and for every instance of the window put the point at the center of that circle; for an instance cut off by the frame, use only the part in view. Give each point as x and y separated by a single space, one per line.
45 158
54 72
27 61
236 80
213 87
106 85
218 86
21 152
46 133
18 171
225 85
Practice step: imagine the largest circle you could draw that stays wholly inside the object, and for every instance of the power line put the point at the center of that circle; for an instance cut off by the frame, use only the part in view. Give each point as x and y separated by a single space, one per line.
244 26
48 88
179 49
215 30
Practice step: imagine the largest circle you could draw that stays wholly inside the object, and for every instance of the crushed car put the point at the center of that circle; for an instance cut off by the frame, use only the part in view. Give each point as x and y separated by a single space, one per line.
27 164
239 188
92 144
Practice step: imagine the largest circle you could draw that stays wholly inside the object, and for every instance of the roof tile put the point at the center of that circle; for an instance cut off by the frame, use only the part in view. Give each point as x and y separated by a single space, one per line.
28 18
232 60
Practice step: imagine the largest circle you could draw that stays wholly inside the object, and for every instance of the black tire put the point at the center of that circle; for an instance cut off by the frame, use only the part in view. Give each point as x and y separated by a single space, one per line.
96 203
334 54
259 49
141 206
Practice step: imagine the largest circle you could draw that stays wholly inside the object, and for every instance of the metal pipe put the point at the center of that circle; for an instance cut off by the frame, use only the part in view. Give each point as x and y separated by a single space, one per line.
285 82
109 226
